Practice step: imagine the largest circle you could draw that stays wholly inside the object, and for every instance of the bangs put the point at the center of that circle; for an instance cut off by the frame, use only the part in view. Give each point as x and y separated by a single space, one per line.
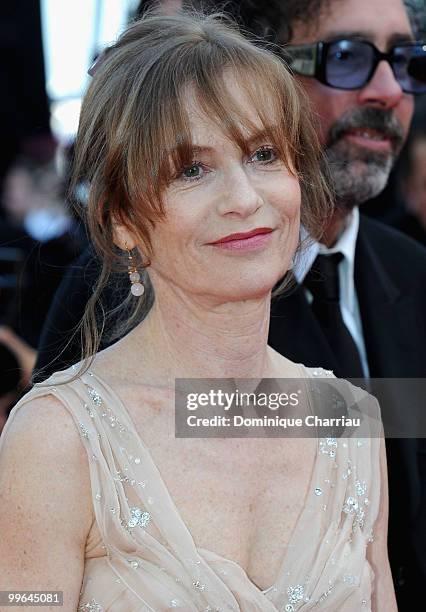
217 102
135 128
212 79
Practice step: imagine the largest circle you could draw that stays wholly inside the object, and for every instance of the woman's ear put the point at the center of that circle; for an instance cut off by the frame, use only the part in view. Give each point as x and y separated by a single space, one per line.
120 233
122 237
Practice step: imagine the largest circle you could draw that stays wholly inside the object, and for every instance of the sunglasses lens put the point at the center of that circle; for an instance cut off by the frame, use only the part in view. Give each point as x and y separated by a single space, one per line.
409 66
348 64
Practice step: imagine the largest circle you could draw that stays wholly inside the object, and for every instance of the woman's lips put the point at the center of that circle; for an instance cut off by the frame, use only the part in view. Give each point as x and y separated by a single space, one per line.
249 241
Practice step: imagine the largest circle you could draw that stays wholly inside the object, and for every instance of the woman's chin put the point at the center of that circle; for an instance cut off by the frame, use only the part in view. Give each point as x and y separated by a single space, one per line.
254 289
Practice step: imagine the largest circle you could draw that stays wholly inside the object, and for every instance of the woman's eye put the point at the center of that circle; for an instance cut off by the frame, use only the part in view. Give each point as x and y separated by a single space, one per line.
192 172
264 155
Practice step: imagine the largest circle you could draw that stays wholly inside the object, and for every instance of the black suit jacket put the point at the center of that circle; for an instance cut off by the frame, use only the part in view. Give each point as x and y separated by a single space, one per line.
390 280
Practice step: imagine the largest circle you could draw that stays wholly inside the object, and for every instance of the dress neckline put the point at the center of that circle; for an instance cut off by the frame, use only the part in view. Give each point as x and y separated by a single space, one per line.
183 527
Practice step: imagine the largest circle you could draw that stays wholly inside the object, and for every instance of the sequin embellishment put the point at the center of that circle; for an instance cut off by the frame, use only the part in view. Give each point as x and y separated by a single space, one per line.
326 593
95 397
174 603
84 431
198 585
351 579
295 595
328 447
106 412
352 506
360 487
138 518
90 606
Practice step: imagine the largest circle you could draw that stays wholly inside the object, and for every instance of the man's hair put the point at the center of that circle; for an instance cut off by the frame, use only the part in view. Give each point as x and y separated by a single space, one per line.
274 20
270 20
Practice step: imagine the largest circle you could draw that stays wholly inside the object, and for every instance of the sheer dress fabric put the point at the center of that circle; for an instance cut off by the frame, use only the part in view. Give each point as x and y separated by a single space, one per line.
128 569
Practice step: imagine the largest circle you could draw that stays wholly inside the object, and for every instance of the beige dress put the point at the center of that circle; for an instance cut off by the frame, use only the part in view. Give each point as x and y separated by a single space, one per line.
128 569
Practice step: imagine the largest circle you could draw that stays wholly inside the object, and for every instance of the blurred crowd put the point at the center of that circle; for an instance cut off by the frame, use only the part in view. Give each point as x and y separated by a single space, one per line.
39 237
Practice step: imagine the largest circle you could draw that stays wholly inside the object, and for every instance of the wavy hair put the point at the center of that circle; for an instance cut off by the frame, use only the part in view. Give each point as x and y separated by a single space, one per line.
134 135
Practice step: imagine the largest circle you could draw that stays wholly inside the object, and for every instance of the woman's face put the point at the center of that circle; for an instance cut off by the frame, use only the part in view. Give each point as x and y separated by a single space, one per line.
222 193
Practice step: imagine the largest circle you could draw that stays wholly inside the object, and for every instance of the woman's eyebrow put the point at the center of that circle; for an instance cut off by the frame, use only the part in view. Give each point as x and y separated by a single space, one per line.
197 149
250 140
260 135
189 149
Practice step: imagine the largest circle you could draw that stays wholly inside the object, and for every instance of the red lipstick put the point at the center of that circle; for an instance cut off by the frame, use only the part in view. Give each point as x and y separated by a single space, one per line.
243 235
242 241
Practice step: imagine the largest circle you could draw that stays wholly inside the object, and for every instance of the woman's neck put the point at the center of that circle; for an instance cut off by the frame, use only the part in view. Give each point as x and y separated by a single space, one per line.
186 337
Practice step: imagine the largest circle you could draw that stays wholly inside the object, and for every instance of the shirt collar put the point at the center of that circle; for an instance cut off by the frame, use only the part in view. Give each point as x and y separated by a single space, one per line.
347 240
346 245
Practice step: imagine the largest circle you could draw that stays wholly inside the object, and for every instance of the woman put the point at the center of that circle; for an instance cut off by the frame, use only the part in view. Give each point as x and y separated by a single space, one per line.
201 160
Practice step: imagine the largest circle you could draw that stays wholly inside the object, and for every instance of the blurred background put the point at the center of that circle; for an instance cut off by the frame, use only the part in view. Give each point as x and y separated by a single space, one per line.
47 46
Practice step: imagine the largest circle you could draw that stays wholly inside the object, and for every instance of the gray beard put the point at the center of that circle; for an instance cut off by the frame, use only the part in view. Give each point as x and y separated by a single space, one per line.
359 174
357 179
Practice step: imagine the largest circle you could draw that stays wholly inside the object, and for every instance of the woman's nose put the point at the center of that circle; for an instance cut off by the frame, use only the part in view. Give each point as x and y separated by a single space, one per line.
240 196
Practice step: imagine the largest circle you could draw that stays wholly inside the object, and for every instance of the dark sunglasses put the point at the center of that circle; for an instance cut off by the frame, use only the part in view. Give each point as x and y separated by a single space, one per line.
350 64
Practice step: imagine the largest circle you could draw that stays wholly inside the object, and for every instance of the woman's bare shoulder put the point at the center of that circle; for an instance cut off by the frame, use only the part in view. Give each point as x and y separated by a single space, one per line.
41 451
46 506
44 421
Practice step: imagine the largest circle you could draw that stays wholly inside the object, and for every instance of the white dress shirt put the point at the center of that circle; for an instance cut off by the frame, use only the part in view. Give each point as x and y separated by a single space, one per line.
348 299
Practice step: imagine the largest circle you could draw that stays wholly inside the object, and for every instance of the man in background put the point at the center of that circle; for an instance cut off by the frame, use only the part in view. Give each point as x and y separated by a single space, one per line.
359 306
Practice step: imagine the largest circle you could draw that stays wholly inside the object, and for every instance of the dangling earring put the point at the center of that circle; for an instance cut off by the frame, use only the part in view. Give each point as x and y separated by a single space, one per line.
136 288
